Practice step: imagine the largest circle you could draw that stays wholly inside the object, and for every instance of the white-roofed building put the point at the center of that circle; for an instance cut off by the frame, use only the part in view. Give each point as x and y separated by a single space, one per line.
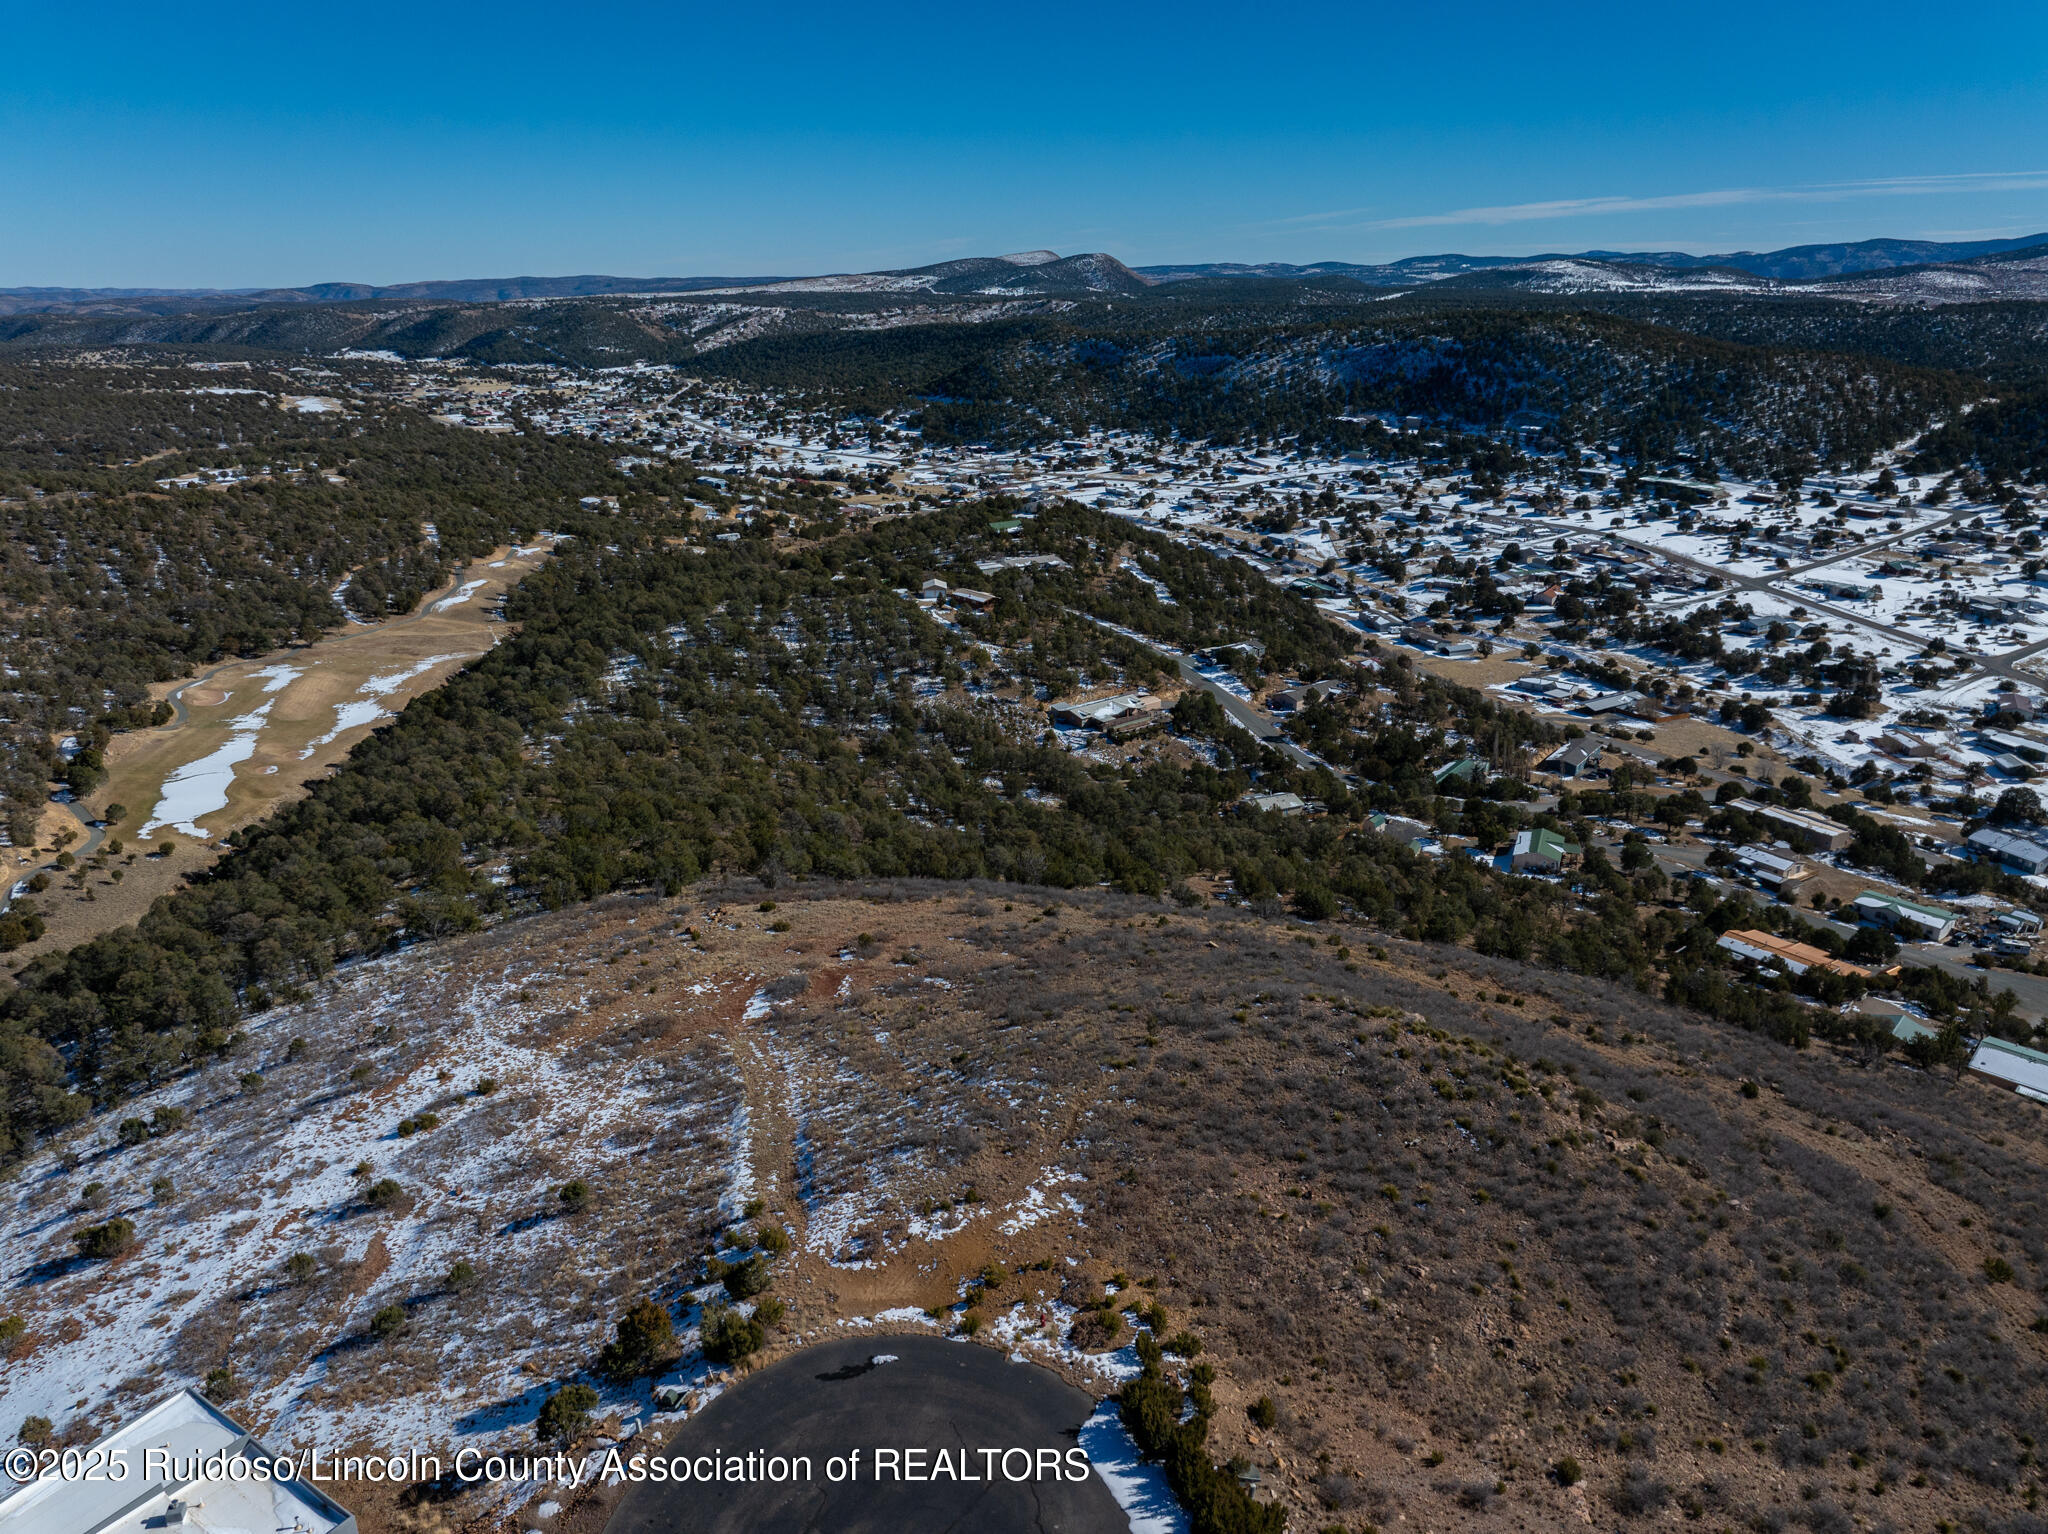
2023 1070
2018 853
189 1466
1801 828
1100 713
1771 868
1279 804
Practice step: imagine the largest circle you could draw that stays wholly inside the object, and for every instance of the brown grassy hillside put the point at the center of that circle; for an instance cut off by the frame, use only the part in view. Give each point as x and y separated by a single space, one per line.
1462 1222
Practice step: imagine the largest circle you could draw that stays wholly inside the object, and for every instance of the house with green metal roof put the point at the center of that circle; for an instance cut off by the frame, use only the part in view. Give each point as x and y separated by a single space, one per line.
1926 923
1906 1028
1541 851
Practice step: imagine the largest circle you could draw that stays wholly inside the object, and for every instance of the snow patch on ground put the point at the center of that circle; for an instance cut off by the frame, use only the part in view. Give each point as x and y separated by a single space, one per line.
224 1200
1041 1200
382 686
456 598
201 788
1044 1328
346 717
901 1315
1139 1487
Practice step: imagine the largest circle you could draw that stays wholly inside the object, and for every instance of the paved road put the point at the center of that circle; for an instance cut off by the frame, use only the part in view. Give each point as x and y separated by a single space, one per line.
1253 721
2032 990
831 1399
1243 714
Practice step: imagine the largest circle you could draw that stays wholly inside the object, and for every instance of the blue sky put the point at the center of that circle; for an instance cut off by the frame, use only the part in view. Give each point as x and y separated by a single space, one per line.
226 146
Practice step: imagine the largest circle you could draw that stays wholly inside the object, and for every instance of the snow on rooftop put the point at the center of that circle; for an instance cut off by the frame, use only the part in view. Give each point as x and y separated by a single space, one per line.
165 1456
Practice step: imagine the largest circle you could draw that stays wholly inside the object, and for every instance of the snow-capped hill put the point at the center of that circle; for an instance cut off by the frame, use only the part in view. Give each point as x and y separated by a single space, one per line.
1030 257
2020 274
2017 274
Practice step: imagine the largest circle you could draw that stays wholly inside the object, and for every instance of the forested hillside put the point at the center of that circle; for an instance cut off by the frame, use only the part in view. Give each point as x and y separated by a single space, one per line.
287 521
2004 344
1230 361
1255 372
664 714
2007 437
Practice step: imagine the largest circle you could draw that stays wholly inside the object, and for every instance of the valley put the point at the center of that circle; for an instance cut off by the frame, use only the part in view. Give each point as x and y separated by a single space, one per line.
1430 899
245 737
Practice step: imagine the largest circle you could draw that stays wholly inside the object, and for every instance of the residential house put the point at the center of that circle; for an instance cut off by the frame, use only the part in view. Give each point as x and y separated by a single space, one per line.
2017 922
1991 609
1300 695
1399 828
2026 705
2024 747
1903 743
1101 713
1020 562
1420 636
1541 851
1573 757
1616 703
1907 1028
1771 869
1279 804
1130 726
1228 654
2017 853
2012 1066
1909 918
1803 829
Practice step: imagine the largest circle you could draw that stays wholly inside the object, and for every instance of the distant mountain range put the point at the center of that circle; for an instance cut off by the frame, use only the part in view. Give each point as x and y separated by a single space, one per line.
1798 263
467 290
2007 274
1878 271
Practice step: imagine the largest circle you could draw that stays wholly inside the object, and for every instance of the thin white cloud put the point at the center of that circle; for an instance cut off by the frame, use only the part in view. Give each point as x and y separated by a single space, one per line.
1593 207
